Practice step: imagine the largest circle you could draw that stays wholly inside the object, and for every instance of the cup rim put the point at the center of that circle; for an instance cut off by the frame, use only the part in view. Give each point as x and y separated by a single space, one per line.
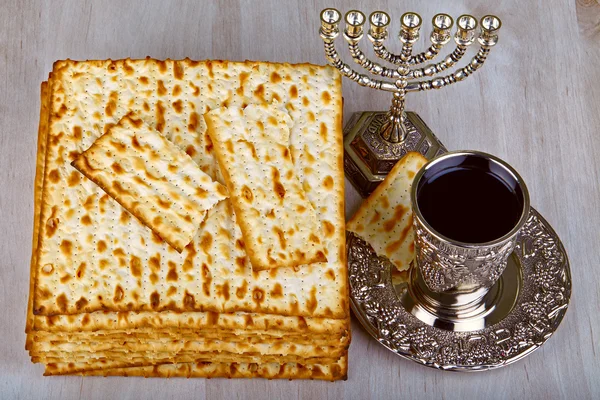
451 154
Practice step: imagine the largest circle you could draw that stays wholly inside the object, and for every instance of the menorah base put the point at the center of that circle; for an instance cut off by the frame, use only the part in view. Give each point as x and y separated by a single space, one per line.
368 157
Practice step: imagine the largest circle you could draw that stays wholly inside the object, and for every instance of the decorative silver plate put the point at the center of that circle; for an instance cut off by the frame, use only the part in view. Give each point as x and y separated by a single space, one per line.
538 279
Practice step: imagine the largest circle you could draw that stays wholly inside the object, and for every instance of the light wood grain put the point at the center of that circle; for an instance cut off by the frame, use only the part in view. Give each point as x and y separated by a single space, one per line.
535 104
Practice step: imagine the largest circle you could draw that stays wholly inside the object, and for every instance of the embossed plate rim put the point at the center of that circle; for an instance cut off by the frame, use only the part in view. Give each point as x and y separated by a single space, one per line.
544 299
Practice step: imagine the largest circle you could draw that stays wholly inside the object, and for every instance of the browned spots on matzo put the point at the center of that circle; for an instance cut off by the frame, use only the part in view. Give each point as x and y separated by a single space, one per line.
160 116
125 217
119 189
206 242
80 270
330 274
229 146
188 263
223 290
172 275
136 266
52 223
252 149
143 80
111 106
385 202
196 92
178 70
77 133
193 122
154 300
189 302
279 189
293 92
323 131
247 194
280 237
240 292
163 203
103 264
86 220
176 90
260 92
312 302
328 228
119 252
239 244
313 238
326 97
275 77
136 144
258 296
207 279
162 66
62 302
178 106
208 146
399 212
154 262
376 217
65 278
54 176
119 294
277 291
81 303
66 247
74 178
117 168
240 263
212 318
128 69
61 111
328 182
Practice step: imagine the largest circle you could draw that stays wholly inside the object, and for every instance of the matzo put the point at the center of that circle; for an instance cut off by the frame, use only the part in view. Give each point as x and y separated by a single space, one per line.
151 178
334 371
88 98
384 220
277 222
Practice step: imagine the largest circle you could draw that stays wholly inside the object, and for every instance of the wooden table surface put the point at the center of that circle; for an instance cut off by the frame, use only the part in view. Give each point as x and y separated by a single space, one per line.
535 104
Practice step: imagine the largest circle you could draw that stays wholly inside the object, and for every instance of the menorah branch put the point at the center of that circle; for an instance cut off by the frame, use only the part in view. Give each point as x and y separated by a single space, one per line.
450 60
460 75
359 57
363 80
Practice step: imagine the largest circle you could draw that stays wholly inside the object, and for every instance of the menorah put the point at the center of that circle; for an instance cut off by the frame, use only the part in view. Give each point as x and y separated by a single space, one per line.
375 141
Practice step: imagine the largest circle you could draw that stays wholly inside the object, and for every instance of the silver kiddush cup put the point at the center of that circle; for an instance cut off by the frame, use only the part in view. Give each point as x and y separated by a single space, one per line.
450 266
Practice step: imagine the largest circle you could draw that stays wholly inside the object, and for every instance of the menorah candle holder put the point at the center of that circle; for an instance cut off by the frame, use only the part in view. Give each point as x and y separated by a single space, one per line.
375 141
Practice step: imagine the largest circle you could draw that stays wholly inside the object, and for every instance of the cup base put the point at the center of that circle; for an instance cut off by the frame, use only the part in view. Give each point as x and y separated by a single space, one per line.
461 312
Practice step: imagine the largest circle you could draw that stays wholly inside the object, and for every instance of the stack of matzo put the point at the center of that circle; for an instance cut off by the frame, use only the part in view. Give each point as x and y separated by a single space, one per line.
108 294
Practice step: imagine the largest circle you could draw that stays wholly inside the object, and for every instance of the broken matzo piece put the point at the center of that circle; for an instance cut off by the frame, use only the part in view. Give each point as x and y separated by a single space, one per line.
151 178
278 223
384 220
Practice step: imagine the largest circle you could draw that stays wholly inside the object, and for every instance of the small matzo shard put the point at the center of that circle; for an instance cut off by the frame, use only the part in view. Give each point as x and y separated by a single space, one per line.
151 178
278 223
384 220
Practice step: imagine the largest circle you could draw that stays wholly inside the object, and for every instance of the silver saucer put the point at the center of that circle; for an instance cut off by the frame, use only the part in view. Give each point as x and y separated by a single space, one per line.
521 311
